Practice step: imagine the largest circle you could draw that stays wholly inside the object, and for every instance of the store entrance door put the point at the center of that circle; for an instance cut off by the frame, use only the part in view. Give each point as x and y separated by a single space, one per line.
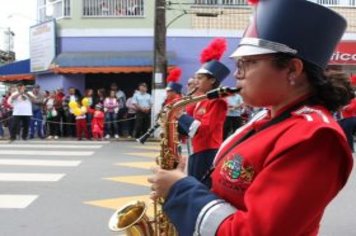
127 82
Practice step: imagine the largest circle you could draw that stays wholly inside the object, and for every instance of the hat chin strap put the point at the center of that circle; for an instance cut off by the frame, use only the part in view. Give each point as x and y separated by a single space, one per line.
278 47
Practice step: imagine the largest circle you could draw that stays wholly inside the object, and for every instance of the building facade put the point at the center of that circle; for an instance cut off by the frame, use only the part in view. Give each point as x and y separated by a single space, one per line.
99 42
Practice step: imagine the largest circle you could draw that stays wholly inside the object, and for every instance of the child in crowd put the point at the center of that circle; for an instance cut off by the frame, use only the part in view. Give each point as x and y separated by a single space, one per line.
80 120
97 123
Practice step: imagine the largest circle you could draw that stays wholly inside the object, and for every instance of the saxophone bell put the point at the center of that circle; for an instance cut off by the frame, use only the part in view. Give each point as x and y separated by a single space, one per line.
132 219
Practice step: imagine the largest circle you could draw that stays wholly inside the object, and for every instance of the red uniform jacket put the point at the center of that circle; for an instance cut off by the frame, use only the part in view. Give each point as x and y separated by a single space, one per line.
172 100
282 185
349 110
277 182
211 114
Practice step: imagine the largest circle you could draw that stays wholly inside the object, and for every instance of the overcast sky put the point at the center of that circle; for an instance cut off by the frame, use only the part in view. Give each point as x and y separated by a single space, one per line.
23 15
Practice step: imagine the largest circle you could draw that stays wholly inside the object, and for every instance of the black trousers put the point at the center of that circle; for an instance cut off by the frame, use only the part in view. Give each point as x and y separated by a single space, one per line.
200 163
231 124
349 127
142 124
53 126
20 122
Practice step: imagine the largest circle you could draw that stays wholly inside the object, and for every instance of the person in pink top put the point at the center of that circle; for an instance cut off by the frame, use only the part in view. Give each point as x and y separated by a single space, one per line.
111 108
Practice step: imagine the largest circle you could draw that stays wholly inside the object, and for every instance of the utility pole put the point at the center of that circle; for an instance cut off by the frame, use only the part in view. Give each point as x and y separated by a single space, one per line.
159 58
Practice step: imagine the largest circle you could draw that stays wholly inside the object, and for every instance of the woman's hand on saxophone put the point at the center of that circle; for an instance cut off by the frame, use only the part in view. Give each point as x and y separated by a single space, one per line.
162 180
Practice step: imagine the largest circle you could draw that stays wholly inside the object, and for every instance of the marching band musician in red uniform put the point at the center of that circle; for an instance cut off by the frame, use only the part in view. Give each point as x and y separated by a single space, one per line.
174 89
348 118
275 175
205 124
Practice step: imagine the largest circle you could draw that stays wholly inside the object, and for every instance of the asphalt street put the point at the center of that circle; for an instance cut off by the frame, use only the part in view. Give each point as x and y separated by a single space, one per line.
72 188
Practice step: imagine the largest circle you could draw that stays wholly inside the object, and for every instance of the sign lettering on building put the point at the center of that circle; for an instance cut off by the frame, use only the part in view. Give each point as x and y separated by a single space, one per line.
344 54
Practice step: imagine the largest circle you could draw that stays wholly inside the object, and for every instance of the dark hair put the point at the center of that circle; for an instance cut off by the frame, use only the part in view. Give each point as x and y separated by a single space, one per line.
216 83
331 89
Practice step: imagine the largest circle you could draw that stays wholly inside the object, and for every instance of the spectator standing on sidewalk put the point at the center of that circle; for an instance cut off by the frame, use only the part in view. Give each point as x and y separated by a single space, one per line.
2 115
22 111
131 113
97 124
348 118
233 118
52 115
7 108
111 108
89 98
142 101
61 114
70 118
121 99
37 117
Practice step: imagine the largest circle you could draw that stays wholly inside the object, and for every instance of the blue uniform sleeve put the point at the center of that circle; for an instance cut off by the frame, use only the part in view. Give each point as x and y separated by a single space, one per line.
184 123
185 200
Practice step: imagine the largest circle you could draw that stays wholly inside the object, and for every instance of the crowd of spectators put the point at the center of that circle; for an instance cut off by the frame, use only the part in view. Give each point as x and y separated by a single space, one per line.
33 113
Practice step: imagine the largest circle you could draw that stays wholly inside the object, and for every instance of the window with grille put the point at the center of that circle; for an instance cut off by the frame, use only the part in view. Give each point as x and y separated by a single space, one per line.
113 8
49 9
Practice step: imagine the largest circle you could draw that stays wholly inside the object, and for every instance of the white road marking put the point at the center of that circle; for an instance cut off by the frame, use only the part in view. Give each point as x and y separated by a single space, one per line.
33 177
50 146
83 142
38 162
16 201
45 153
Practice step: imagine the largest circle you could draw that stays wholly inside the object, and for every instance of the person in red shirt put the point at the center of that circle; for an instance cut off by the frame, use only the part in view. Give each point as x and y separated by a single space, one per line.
275 175
97 123
205 124
348 118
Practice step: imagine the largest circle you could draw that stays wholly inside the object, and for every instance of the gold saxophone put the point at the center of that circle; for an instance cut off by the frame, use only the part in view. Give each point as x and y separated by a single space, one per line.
131 217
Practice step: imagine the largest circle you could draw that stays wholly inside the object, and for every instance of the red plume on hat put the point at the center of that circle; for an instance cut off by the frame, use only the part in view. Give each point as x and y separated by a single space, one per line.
174 75
353 80
214 51
252 2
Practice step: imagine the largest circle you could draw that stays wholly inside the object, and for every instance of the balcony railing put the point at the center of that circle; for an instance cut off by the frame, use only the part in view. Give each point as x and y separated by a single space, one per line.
339 3
336 3
113 8
221 2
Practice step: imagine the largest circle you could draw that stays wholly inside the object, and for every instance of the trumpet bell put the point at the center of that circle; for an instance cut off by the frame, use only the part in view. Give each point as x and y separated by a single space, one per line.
131 218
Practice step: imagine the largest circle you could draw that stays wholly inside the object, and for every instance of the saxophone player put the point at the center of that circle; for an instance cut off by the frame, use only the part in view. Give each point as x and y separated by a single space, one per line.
275 175
205 124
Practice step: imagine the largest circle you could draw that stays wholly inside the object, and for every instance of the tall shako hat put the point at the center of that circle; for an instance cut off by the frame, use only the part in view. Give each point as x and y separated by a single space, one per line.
210 57
297 27
173 78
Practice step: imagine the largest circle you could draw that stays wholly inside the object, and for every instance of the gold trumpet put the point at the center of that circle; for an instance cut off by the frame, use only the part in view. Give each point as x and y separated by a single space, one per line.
132 217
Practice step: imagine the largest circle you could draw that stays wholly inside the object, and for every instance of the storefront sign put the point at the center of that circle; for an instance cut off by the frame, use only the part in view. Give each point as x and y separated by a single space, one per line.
42 45
344 54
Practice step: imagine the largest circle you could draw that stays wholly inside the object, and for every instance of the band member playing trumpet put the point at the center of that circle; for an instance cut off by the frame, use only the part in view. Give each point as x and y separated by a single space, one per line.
275 175
205 124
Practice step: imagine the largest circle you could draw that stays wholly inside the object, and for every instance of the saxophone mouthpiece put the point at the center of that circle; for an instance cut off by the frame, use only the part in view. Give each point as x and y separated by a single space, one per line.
192 92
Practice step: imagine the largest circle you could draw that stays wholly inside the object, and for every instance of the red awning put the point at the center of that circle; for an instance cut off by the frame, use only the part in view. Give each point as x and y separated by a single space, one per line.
104 70
18 77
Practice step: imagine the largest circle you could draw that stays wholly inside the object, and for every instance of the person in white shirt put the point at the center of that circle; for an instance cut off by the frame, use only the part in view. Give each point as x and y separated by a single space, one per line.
21 102
142 101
